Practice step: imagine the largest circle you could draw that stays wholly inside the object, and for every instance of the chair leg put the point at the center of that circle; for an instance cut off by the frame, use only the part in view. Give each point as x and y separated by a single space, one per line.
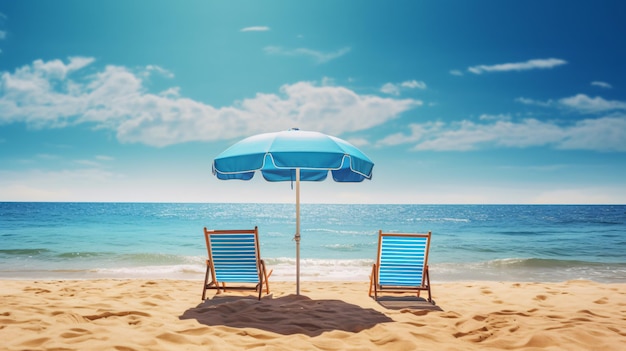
371 280
428 282
266 278
374 282
206 281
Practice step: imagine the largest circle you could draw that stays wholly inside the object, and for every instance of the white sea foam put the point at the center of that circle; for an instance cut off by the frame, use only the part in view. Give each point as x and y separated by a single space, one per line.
321 270
169 272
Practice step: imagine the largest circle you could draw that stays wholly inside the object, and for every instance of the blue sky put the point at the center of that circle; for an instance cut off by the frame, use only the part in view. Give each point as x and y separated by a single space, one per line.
454 101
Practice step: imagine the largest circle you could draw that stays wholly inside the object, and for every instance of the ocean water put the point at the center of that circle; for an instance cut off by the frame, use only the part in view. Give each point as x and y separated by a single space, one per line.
165 240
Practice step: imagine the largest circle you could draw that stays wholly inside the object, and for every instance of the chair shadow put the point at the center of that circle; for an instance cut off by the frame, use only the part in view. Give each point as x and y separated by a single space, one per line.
407 302
287 315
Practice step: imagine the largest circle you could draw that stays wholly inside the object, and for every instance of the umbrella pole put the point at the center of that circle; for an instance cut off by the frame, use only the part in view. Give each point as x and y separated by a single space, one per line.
297 237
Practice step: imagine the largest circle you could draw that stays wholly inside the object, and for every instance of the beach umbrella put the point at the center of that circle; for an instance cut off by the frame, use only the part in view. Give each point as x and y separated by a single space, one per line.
293 155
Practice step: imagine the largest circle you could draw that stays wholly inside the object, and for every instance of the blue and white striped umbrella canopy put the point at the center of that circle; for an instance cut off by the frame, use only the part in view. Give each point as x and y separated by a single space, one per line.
293 155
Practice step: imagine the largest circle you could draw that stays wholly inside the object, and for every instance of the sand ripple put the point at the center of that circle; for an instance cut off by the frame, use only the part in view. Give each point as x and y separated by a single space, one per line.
138 315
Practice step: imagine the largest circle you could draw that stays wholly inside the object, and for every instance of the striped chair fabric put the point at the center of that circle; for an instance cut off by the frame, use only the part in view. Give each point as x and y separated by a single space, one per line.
402 264
402 260
234 258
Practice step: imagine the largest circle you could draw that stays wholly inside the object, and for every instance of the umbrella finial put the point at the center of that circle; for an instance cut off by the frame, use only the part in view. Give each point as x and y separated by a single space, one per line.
295 128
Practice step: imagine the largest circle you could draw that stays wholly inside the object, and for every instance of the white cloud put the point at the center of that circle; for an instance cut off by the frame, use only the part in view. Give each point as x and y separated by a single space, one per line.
172 92
358 141
500 117
162 71
255 29
586 104
602 84
602 134
390 88
33 91
413 84
394 89
326 108
417 133
3 34
54 69
518 66
318 56
527 101
467 135
456 72
115 98
580 103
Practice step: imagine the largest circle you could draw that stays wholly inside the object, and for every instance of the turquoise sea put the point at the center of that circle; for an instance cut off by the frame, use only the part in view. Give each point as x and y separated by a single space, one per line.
165 240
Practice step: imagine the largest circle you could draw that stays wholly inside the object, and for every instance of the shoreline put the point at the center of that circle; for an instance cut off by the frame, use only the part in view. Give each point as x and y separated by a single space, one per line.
162 314
326 270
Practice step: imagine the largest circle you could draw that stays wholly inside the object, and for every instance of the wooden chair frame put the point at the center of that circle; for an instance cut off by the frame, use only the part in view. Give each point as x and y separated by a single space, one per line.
375 285
220 286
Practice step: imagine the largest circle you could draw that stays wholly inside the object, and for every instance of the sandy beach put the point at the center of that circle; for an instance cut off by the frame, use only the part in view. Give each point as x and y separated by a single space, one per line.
169 315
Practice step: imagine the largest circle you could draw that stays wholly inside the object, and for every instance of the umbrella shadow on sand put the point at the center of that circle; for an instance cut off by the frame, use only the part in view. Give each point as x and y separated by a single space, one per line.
292 314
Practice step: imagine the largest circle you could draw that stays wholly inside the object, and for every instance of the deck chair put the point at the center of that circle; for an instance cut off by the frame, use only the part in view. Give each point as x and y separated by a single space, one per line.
401 265
234 258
